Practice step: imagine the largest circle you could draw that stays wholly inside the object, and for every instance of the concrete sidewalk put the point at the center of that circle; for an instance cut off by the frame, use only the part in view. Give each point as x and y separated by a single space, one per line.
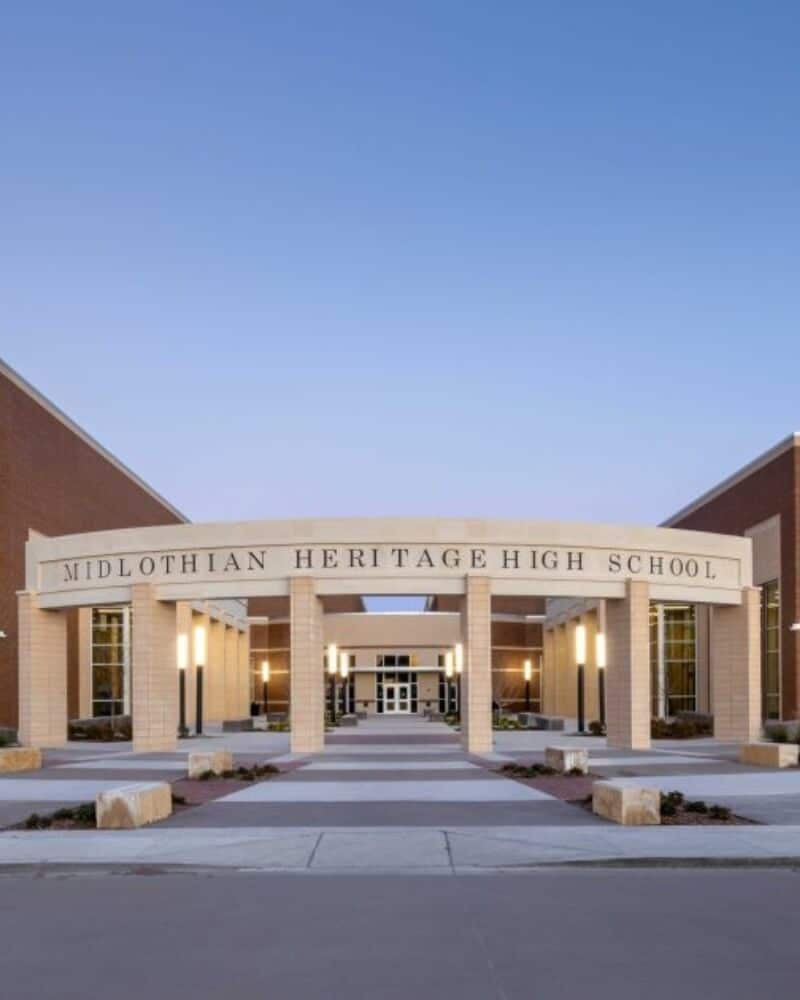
457 850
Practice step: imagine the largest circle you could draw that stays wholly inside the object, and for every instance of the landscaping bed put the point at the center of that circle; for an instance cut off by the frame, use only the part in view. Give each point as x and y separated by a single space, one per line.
210 786
572 787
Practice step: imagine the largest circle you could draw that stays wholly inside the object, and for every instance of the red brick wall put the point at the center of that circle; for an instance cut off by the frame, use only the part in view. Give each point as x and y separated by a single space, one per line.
773 489
53 481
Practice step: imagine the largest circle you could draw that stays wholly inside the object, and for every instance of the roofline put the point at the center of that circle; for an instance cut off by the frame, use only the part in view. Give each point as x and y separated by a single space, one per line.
792 441
54 411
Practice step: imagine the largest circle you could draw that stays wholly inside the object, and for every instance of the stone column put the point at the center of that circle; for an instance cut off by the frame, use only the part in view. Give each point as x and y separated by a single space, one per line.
307 708
736 669
476 680
628 670
42 674
232 699
154 680
215 672
183 626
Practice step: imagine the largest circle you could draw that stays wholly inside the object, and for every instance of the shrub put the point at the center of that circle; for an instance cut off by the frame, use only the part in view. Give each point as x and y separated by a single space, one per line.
85 813
596 727
719 812
696 806
37 822
777 733
678 729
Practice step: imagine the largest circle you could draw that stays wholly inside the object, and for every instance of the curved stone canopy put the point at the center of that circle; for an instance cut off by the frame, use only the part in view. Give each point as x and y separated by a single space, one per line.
387 556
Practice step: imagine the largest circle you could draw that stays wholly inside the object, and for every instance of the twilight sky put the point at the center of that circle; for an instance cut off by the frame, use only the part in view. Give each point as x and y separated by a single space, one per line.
512 259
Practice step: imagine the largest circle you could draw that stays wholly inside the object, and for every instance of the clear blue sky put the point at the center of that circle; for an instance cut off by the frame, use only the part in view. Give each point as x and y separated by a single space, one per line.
516 259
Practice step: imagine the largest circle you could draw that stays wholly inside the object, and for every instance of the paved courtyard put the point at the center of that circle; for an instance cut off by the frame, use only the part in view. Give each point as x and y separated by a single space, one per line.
399 795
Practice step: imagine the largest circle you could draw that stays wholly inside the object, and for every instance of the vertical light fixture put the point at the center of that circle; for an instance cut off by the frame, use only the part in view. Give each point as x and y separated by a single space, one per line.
183 663
527 669
199 662
333 666
600 656
265 687
344 673
580 660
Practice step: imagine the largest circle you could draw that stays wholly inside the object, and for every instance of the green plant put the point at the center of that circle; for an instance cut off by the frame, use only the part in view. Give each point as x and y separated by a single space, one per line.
37 822
206 776
85 813
720 812
528 771
778 733
596 728
696 806
671 803
5 740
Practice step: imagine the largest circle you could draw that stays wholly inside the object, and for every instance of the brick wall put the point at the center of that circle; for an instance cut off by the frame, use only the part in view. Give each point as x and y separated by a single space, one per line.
55 482
772 489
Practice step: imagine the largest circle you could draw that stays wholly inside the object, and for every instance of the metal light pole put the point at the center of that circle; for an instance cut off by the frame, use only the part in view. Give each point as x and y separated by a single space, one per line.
528 670
580 660
448 673
265 687
200 661
458 658
183 663
333 662
600 653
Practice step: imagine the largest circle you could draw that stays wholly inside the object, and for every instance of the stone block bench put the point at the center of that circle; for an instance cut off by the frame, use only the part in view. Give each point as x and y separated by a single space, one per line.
769 754
131 806
216 761
628 805
238 725
565 759
531 720
20 759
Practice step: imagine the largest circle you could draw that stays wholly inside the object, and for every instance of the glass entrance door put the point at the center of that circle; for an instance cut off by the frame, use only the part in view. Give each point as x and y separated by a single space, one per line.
396 699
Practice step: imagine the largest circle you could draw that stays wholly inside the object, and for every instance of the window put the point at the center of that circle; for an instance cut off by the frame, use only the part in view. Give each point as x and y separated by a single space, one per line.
673 658
771 650
110 661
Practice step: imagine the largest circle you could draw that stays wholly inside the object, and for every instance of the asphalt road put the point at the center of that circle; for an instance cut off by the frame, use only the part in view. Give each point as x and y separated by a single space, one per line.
556 933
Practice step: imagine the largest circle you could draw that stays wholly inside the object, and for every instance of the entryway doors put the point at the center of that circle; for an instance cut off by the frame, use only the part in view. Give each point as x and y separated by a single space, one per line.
396 698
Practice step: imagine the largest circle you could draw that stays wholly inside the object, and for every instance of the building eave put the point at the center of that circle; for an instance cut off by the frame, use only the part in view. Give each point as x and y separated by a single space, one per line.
54 411
787 444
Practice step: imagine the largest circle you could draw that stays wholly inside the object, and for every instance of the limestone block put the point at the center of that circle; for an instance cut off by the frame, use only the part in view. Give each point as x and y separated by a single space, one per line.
132 806
626 804
769 754
566 759
20 759
217 761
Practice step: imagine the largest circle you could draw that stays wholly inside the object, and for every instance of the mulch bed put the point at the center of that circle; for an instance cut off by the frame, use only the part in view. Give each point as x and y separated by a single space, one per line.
577 790
566 787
